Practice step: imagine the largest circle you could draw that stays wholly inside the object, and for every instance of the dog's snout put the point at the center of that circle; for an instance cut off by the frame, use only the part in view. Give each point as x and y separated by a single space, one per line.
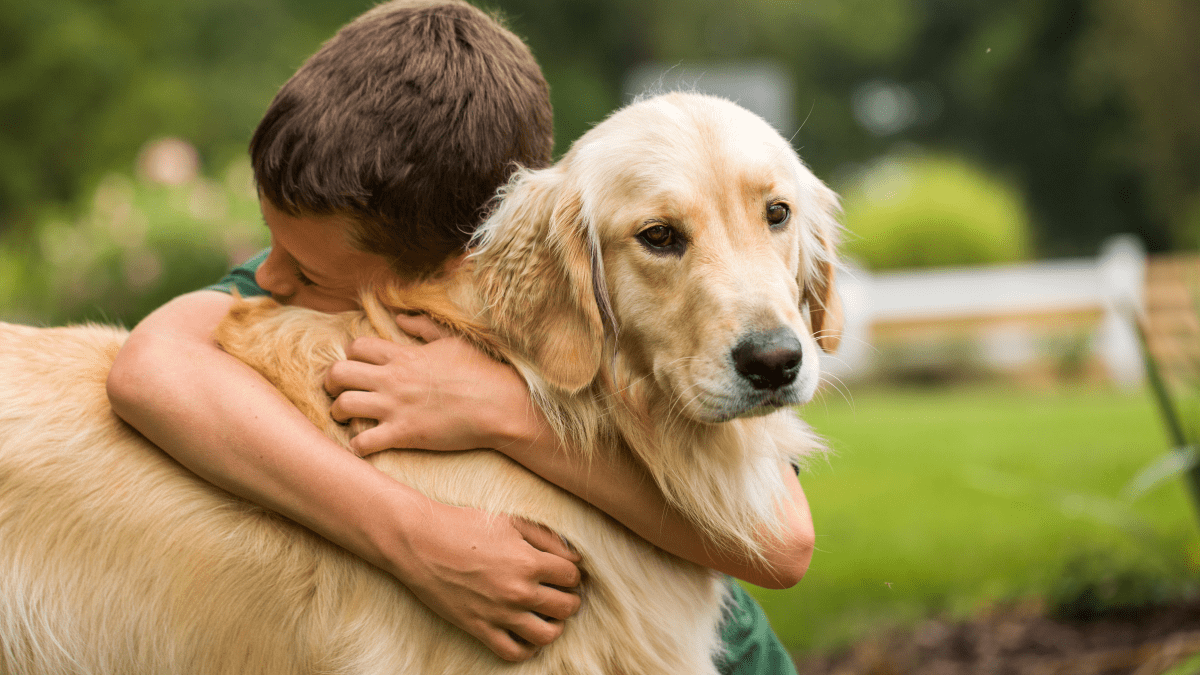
768 359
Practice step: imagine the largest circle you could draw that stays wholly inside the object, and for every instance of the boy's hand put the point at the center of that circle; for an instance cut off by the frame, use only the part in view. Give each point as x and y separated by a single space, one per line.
443 395
500 579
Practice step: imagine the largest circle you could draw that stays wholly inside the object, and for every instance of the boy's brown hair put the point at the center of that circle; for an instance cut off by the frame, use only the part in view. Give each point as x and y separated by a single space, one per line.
406 122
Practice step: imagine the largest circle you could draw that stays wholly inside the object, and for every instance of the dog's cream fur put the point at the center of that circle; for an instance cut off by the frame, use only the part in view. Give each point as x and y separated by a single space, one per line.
114 559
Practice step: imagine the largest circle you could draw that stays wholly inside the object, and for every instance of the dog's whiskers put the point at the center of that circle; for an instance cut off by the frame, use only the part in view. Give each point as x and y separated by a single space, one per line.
798 129
676 407
847 338
838 385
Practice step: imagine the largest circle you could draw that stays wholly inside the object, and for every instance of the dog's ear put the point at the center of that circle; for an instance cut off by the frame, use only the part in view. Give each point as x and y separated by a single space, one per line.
820 294
535 265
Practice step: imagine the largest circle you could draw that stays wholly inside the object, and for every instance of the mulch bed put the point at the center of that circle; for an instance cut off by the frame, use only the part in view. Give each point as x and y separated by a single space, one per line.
1021 640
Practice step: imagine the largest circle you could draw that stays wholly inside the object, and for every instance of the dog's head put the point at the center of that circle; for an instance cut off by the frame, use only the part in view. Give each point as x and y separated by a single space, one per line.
684 233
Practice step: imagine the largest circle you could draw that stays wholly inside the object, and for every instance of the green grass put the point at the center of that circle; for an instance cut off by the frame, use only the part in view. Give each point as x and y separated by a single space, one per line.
947 501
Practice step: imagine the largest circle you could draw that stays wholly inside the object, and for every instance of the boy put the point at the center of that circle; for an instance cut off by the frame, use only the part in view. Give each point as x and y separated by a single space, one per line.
376 159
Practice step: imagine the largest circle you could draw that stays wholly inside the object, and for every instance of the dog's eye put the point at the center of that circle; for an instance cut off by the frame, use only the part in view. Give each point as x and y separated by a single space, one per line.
778 214
662 239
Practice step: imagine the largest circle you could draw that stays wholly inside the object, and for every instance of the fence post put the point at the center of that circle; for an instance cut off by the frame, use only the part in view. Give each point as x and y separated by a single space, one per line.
1122 271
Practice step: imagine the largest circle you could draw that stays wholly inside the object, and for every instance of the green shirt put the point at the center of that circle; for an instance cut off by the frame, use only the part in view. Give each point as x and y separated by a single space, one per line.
751 647
242 279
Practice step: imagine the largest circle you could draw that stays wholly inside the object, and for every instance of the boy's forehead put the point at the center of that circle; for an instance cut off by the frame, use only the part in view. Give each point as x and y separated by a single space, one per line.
303 225
321 243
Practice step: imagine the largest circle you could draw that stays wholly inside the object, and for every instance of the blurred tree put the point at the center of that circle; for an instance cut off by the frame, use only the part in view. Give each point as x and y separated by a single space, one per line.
1007 70
585 47
1088 106
84 84
996 81
1147 54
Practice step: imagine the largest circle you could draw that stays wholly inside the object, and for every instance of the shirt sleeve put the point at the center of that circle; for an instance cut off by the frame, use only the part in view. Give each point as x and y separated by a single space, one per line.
751 647
241 278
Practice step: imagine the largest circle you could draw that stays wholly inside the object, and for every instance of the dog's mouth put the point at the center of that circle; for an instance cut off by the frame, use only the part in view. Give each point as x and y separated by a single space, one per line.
747 404
772 402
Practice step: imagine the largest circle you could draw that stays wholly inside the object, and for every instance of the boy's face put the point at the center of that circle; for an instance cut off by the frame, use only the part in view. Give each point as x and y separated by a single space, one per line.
312 263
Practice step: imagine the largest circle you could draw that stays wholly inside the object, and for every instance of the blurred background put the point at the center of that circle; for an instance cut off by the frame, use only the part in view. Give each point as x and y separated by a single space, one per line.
1019 178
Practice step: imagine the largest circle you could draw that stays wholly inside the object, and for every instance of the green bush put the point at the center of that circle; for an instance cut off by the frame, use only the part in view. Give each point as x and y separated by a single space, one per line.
928 211
135 245
1118 581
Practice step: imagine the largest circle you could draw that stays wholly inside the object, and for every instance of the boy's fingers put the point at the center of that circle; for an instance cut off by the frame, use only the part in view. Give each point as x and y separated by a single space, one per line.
558 572
348 375
557 604
351 404
537 631
420 326
508 645
373 350
375 439
543 539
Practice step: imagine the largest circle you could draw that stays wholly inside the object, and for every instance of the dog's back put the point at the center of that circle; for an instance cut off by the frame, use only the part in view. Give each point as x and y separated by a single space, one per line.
113 558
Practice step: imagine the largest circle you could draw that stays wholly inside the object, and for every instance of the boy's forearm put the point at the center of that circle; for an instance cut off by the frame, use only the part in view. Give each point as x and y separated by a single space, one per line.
190 398
492 577
625 491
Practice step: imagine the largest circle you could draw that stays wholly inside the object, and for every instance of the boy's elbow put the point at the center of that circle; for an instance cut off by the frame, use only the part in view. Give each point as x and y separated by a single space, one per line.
122 383
789 562
790 551
148 364
136 376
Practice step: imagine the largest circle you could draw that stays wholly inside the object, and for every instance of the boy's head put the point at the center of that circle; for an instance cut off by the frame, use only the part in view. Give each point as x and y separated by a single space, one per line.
405 123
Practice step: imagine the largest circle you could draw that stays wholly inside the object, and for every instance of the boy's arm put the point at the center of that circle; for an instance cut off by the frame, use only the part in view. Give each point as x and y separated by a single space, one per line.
447 395
224 421
626 492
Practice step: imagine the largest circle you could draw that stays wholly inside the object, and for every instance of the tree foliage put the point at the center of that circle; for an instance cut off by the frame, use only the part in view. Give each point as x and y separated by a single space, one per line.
1089 107
84 84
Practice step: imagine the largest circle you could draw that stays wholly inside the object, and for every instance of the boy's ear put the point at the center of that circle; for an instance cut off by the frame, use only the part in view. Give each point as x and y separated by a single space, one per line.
820 293
535 265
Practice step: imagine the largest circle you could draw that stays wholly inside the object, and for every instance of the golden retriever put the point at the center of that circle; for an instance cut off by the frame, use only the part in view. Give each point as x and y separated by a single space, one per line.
662 289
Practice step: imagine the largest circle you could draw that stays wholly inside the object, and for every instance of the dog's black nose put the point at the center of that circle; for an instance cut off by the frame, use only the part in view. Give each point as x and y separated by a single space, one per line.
769 359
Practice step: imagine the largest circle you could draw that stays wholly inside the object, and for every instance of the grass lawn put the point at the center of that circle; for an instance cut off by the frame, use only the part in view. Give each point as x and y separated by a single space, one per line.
949 500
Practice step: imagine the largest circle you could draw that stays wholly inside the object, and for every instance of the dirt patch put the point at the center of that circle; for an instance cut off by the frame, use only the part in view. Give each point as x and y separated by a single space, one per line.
1023 641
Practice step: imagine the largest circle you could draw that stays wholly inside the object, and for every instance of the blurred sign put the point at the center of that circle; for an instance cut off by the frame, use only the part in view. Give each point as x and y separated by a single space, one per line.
759 86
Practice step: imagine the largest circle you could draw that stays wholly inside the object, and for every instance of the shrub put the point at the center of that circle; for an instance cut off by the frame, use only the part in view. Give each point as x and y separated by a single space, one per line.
134 246
1119 582
929 211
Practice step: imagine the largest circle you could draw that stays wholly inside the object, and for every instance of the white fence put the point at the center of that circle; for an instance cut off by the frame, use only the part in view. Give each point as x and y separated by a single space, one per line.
1002 306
